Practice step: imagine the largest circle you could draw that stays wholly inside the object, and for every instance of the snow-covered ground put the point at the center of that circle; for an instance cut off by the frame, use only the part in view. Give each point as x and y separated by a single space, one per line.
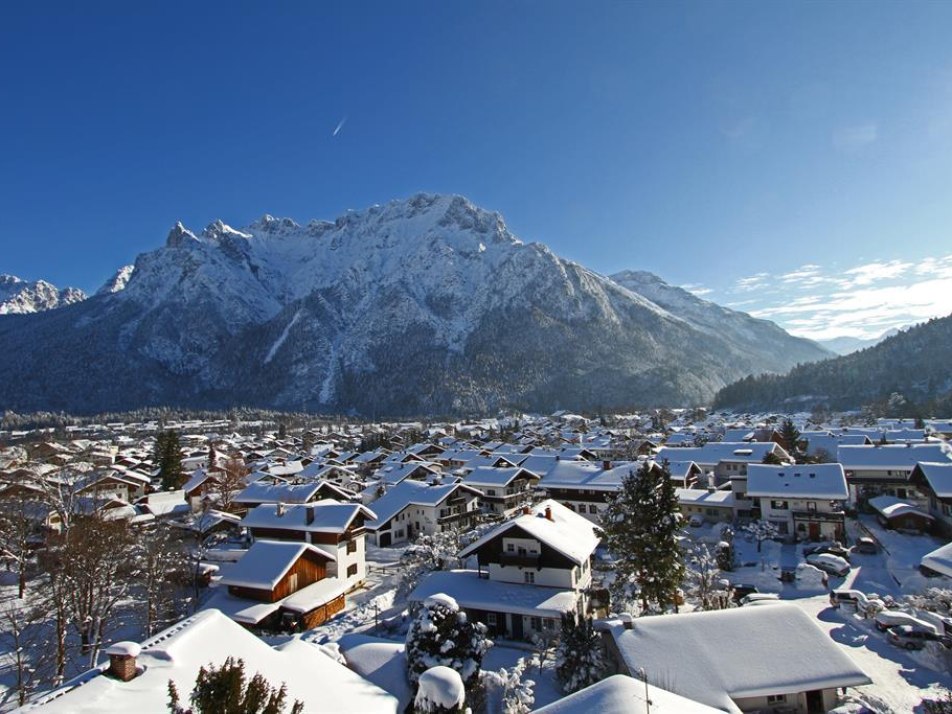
900 678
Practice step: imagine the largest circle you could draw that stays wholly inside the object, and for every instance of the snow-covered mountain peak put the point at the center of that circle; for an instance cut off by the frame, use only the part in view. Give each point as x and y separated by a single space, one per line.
117 282
179 236
20 297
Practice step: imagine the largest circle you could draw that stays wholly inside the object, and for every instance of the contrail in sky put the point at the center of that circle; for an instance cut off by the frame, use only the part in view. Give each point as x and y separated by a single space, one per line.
339 126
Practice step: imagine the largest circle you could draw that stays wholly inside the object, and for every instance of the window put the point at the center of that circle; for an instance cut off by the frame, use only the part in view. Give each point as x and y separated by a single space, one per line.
491 492
351 546
776 698
536 623
510 548
491 619
352 570
811 506
529 577
778 505
592 509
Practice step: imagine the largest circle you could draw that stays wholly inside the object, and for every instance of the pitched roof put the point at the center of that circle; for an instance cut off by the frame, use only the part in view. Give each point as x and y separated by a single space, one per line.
567 532
895 456
735 654
820 481
177 654
328 516
621 694
267 561
410 492
939 476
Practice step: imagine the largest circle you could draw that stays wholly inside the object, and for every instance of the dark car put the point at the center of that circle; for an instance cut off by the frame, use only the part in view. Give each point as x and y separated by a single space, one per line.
742 590
831 548
914 638
867 546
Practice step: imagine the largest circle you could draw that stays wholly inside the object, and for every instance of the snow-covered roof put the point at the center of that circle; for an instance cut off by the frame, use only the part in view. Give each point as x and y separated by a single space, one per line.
566 531
492 476
621 694
472 591
939 560
259 492
718 498
383 662
739 653
820 481
714 452
892 507
177 653
267 561
939 476
409 492
892 456
327 516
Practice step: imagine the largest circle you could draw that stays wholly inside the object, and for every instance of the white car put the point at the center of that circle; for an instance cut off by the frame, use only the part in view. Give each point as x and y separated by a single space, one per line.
891 618
756 598
833 564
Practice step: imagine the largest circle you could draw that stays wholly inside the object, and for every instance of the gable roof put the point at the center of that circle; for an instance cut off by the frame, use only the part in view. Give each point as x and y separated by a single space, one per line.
938 476
735 654
567 532
621 694
820 481
267 561
259 492
177 654
328 516
412 492
898 456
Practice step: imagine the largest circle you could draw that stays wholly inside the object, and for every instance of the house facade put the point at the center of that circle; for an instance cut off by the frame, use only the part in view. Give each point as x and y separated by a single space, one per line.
804 502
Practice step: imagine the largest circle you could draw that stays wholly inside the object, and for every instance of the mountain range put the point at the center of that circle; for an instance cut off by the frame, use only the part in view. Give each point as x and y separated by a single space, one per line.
421 306
20 297
849 345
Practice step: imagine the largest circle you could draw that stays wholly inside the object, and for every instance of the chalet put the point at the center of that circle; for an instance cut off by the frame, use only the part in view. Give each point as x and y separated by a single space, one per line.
287 583
392 473
531 570
413 508
737 663
803 501
886 469
503 489
336 528
935 481
136 677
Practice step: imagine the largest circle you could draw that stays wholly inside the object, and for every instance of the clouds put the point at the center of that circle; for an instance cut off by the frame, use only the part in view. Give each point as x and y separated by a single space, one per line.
861 301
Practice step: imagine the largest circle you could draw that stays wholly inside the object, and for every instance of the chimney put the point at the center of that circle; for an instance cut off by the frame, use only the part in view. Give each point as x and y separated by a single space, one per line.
122 660
526 510
548 513
310 515
627 620
279 509
606 465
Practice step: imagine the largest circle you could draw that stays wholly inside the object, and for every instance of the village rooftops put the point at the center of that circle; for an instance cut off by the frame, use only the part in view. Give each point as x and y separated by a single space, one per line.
490 476
817 481
735 654
715 452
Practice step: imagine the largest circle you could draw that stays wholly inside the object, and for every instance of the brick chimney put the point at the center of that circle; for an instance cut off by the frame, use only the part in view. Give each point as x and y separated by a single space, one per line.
122 660
606 465
526 510
548 513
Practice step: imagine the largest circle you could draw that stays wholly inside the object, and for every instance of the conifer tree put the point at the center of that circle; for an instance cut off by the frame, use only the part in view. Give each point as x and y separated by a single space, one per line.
641 526
579 661
168 457
226 690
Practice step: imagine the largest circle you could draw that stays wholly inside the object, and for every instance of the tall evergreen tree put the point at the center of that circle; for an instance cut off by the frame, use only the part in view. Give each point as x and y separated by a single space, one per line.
791 438
168 457
641 526
579 662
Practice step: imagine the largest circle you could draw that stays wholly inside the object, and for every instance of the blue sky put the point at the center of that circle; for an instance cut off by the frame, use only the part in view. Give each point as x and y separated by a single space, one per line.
757 152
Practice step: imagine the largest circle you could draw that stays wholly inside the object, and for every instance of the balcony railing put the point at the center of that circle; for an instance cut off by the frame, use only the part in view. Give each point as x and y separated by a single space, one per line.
526 560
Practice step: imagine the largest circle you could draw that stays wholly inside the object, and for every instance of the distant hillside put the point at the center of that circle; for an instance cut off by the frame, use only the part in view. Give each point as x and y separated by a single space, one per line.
916 363
849 345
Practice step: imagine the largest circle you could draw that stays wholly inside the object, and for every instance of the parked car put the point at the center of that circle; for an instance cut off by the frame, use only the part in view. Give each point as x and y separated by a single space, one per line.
696 521
942 623
867 546
857 599
831 548
752 598
893 618
833 564
912 637
741 590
